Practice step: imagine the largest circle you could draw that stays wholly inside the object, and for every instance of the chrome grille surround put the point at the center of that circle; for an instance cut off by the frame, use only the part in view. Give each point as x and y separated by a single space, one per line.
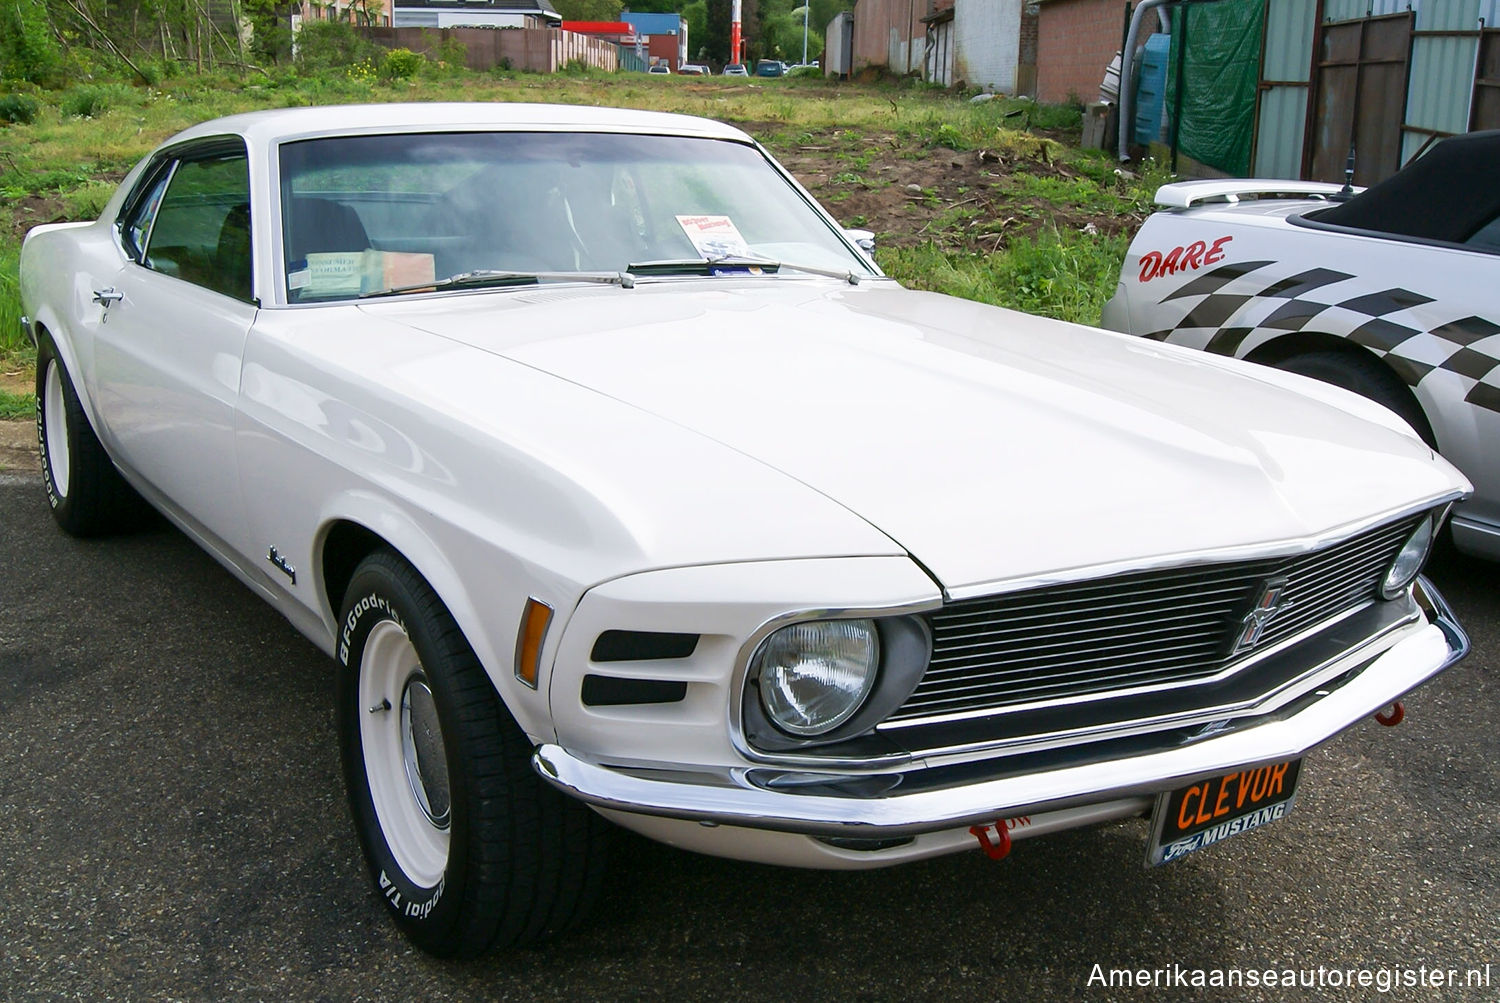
1135 632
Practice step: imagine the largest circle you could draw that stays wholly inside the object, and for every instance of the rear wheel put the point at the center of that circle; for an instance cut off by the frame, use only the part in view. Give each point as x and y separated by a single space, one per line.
87 494
467 847
1366 376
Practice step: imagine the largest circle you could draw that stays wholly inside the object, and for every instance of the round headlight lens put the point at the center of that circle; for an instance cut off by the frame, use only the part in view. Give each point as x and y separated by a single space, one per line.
1409 561
815 675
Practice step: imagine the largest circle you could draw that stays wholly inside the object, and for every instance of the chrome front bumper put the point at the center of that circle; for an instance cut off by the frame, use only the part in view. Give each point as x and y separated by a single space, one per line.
791 801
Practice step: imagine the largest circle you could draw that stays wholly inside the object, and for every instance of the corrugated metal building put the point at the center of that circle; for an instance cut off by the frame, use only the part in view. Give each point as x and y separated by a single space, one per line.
1387 77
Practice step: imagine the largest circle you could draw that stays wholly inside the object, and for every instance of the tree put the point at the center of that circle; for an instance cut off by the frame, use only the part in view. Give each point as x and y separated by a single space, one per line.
589 10
695 17
28 50
716 30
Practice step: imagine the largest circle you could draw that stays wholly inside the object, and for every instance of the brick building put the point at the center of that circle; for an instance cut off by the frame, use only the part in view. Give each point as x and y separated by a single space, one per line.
975 42
1076 39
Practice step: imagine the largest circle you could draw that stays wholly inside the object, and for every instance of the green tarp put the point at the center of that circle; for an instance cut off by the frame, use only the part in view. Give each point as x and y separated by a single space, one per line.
1218 72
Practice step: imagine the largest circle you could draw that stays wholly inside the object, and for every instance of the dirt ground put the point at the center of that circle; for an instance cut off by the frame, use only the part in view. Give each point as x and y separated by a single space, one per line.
18 445
909 195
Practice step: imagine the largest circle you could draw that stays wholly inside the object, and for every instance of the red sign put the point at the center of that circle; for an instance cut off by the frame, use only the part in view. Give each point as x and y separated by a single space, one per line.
1155 264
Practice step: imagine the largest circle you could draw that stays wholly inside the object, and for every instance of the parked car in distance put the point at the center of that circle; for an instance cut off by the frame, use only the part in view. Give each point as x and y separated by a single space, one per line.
658 69
769 68
693 69
617 483
735 70
1389 293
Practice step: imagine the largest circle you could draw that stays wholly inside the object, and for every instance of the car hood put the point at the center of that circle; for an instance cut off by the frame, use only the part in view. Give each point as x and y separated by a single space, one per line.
992 445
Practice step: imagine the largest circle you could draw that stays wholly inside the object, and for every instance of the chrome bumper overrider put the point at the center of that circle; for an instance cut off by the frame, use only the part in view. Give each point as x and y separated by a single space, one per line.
864 805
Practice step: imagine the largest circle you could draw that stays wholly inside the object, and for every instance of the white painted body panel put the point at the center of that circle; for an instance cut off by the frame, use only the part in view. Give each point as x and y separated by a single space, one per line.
167 384
991 445
1458 283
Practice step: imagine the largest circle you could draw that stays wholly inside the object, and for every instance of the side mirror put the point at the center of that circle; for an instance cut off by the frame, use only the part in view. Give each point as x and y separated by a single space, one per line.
864 239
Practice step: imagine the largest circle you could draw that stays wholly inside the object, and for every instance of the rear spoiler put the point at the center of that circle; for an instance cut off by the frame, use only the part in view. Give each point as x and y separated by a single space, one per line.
1186 194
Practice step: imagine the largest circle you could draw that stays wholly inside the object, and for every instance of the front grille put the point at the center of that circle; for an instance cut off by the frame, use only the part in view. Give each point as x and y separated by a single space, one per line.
1141 629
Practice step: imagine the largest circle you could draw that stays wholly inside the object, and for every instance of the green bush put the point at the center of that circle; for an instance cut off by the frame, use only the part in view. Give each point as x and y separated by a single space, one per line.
18 109
332 45
400 64
454 55
87 101
27 49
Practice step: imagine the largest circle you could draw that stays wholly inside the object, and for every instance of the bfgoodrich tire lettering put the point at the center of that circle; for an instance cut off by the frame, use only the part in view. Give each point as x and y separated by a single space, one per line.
87 494
466 846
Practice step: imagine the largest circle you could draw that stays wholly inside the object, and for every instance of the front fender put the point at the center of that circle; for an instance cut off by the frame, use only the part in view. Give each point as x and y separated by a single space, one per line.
484 602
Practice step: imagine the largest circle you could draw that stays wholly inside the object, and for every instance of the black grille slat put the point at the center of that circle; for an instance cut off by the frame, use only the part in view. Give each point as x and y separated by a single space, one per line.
1151 628
1202 655
1007 692
1039 654
1027 605
1025 624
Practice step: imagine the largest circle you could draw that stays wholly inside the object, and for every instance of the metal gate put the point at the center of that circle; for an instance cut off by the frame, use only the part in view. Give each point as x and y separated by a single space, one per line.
1285 66
1359 78
1485 110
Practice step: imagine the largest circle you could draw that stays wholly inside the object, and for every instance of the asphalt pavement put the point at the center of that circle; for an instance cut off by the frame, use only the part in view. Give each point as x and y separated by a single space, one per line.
172 826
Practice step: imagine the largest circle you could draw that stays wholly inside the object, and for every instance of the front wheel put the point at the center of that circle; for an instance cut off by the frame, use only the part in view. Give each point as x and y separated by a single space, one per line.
467 847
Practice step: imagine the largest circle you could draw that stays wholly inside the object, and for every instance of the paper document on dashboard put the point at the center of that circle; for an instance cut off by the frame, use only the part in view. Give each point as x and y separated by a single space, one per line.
714 236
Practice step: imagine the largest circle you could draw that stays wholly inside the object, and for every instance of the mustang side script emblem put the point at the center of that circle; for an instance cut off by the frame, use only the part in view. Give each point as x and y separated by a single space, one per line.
1262 613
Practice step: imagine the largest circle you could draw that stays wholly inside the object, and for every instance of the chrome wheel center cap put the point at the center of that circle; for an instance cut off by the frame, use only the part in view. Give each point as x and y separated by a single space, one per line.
422 752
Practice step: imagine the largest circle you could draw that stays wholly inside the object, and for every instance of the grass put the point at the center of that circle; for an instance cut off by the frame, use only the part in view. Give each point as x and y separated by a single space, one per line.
1064 274
66 163
16 406
15 347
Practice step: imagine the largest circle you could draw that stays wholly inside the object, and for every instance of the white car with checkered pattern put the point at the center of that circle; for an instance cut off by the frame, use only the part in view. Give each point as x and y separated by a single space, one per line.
1389 293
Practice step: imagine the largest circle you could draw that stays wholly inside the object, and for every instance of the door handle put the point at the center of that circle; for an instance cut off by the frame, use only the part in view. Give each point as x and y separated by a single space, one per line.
104 297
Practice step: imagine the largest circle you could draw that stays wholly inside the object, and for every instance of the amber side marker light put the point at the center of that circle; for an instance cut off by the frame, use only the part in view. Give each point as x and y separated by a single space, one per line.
534 621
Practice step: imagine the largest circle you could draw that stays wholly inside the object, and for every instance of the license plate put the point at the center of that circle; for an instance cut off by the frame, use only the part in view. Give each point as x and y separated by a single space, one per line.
1210 811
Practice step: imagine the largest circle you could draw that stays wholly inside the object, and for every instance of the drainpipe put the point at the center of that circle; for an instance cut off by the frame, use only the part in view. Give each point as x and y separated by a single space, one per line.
1127 58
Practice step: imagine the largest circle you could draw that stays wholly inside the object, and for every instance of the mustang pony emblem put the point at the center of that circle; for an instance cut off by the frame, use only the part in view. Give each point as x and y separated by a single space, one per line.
1262 613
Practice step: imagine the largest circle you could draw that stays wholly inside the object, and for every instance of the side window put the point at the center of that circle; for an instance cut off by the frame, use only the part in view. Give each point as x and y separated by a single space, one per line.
136 228
201 232
1487 237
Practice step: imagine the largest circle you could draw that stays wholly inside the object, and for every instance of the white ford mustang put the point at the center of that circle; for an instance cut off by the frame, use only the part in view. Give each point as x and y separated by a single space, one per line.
620 483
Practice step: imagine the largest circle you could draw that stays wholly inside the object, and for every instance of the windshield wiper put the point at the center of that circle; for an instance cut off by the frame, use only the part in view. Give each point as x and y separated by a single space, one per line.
481 277
708 266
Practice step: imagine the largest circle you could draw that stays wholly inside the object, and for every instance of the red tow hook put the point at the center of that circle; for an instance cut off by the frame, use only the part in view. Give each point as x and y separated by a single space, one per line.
1395 716
996 850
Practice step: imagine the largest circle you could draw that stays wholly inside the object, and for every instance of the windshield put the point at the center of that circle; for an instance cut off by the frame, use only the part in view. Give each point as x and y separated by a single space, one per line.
370 213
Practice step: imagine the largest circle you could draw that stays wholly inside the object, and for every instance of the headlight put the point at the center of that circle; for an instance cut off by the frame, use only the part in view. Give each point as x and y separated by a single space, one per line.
1410 560
813 676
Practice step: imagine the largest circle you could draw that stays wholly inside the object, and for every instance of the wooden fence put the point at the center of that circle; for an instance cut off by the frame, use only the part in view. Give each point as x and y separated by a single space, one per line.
538 50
